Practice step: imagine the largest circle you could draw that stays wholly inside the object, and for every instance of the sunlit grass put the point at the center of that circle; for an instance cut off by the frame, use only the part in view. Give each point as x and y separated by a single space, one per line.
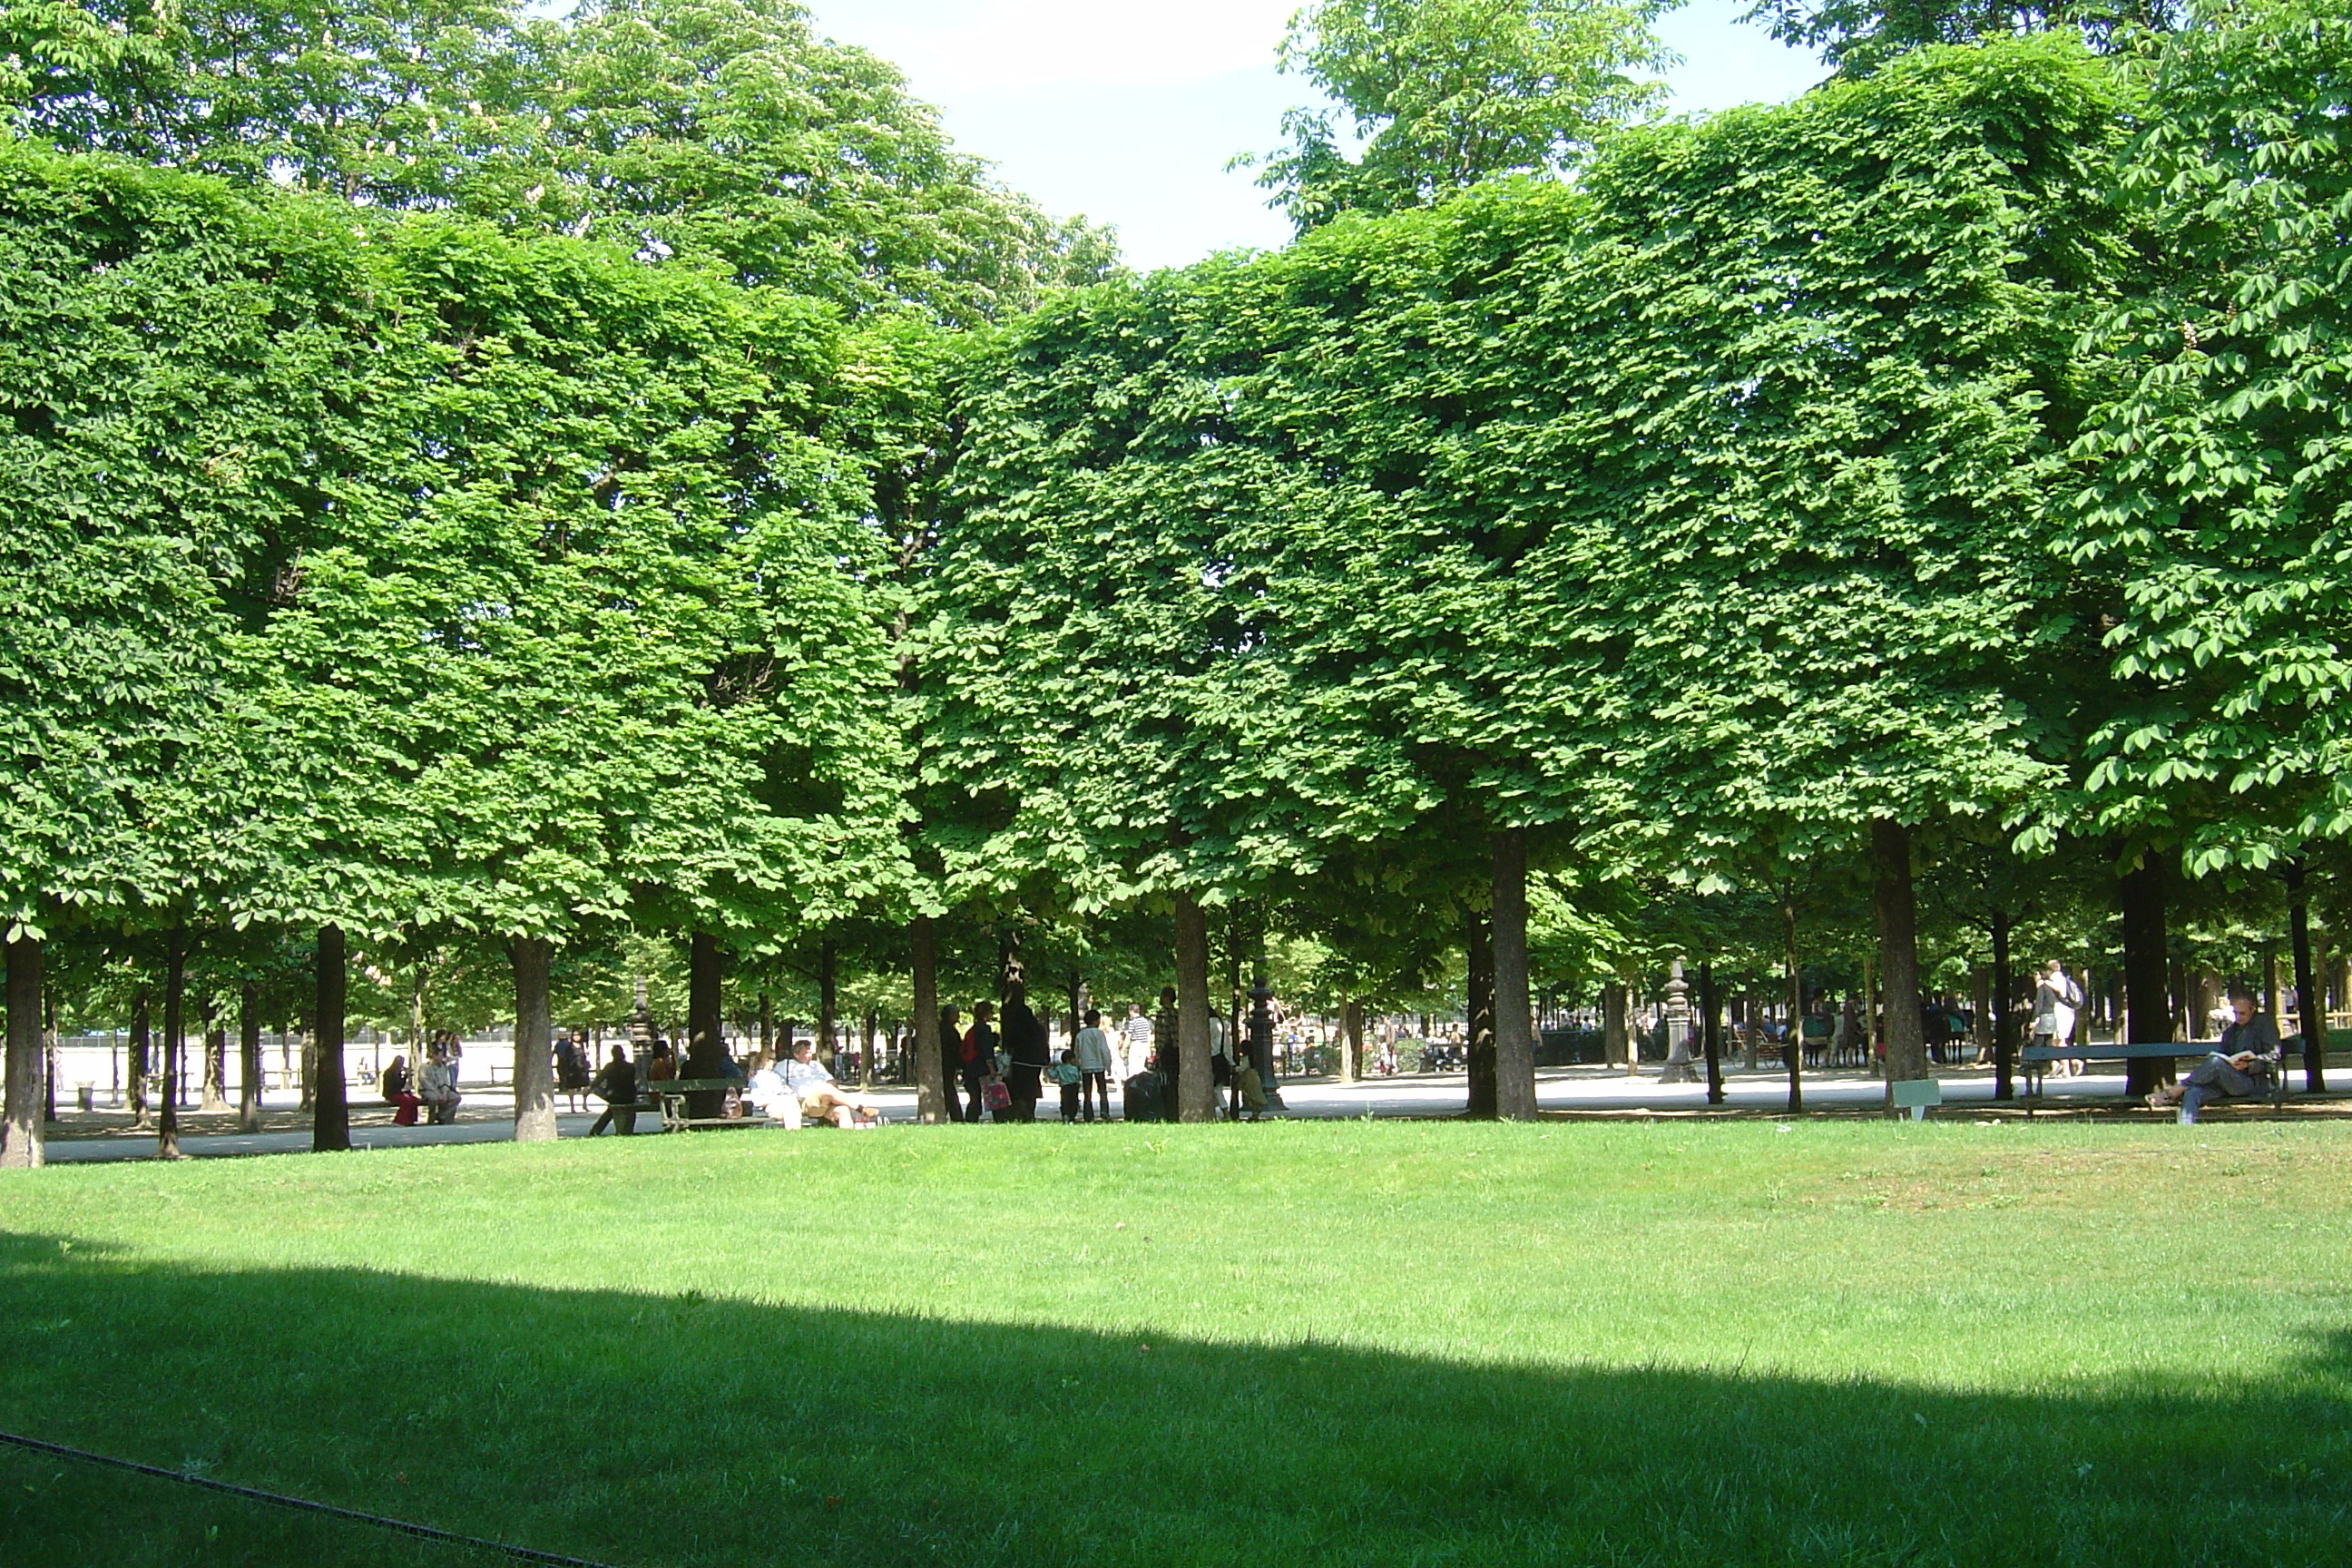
1351 1343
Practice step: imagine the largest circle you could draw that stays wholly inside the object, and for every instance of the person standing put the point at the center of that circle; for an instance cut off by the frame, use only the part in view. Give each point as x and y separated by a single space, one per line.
2056 1000
571 1067
951 1062
977 1067
1137 1030
1029 1055
1091 1051
616 1086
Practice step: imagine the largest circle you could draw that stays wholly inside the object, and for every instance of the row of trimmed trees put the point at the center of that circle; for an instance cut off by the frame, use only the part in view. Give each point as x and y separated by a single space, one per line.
1944 467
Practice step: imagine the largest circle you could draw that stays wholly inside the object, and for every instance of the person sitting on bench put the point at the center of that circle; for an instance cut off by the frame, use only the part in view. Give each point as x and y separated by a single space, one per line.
819 1093
2248 1060
437 1088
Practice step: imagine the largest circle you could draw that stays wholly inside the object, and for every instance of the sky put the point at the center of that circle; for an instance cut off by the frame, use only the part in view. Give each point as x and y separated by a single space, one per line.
1126 111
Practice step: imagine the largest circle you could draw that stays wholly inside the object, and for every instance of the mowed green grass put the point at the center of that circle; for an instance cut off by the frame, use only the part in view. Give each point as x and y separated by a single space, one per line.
1343 1343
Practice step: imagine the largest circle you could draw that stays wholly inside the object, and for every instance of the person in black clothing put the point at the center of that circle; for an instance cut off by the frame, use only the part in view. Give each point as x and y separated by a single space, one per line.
1024 1042
977 1067
951 1063
616 1086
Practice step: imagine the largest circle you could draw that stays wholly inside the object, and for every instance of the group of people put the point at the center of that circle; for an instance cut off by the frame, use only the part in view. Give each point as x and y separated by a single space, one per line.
790 1091
997 1070
432 1088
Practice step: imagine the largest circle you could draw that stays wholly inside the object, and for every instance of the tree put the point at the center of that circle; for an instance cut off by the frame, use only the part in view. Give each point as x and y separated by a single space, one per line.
2215 507
1859 37
1442 93
716 130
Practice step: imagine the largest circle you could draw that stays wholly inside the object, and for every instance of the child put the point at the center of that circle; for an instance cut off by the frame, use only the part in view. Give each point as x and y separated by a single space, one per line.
1065 1073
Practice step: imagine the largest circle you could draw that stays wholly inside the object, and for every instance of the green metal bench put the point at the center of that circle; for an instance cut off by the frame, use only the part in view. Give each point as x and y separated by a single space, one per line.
669 1098
2033 1057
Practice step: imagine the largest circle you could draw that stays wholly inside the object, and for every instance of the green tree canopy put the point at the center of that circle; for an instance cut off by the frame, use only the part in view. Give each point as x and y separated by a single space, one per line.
1442 93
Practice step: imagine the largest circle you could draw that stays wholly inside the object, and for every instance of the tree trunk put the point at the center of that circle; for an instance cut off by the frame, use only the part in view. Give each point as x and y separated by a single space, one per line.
1012 974
2148 1018
930 1062
1615 1038
214 1099
867 1024
828 1004
2307 1002
1515 1030
706 1048
1792 1043
534 1043
2004 1027
1478 1015
1196 1086
22 1134
248 1059
136 1067
330 1115
767 1027
1711 1030
1898 952
1351 1040
176 1002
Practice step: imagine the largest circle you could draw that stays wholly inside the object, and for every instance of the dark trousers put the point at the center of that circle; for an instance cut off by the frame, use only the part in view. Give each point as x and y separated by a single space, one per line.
1094 1089
1070 1102
622 1117
975 1086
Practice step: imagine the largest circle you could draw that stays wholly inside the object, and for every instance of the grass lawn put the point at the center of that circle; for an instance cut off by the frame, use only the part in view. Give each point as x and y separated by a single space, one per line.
1333 1343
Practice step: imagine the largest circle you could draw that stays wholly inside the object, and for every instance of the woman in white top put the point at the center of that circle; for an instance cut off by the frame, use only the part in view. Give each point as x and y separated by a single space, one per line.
1091 1052
2055 1000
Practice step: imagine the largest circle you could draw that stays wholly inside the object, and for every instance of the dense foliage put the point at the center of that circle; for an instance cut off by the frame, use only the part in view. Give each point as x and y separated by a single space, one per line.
531 494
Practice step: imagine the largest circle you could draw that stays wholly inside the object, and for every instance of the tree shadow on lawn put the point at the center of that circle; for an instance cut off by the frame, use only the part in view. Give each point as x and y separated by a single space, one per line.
640 1429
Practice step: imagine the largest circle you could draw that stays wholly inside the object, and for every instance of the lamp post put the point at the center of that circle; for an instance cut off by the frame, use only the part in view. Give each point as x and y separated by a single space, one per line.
1678 1029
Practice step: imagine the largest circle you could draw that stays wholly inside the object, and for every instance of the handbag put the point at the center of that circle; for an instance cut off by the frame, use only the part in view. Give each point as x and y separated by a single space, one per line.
997 1095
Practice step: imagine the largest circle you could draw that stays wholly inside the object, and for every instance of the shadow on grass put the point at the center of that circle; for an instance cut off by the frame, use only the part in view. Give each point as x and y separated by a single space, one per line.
637 1429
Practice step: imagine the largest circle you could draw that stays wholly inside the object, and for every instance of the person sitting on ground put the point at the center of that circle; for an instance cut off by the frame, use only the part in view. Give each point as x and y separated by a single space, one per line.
2248 1060
811 1083
399 1093
436 1087
1249 1092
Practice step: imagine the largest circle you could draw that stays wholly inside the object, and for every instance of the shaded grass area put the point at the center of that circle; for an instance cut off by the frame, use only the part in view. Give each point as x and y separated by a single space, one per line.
1330 1343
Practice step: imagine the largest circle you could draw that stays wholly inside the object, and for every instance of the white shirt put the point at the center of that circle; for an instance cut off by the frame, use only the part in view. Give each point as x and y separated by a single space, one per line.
765 1086
1137 1030
1092 1049
805 1078
1217 1034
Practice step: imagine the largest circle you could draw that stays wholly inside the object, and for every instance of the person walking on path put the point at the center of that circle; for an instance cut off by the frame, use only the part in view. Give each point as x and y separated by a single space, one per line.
1092 1053
2055 1004
616 1086
2247 1059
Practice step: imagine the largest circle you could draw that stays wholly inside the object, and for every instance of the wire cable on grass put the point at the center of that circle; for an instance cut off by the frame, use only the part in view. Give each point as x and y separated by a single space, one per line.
303 1505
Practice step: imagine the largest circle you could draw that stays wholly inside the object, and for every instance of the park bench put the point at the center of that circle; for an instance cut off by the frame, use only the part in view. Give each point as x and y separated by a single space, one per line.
2036 1057
669 1098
